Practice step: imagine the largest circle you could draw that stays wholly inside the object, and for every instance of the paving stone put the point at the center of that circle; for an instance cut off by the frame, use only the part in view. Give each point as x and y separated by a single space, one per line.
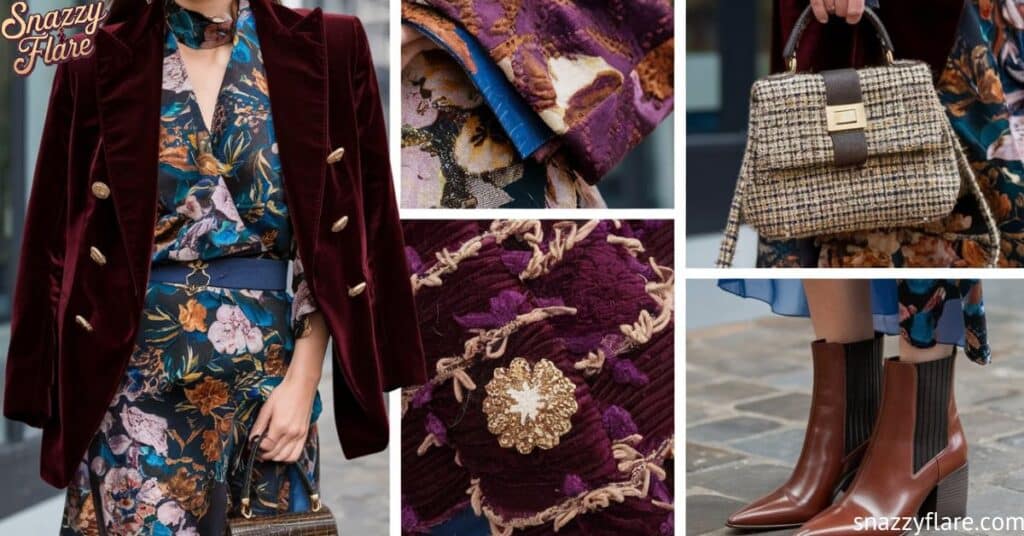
696 412
707 513
745 481
700 457
696 376
984 424
801 379
995 502
988 463
728 392
790 406
1014 441
755 366
973 394
1010 406
783 445
356 491
728 429
1013 481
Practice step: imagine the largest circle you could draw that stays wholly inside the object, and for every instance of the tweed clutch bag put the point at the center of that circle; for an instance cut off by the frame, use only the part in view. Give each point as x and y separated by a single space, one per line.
848 150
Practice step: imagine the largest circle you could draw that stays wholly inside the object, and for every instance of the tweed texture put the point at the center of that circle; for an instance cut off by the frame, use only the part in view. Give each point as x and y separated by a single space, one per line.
790 188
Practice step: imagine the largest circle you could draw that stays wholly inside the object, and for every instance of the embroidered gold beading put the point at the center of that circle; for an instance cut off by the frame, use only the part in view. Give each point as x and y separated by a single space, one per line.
529 407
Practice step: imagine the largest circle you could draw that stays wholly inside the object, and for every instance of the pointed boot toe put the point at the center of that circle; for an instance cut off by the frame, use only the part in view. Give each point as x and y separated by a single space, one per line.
773 511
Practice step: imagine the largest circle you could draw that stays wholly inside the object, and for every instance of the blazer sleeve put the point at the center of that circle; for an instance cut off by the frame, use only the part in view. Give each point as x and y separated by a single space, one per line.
32 355
396 326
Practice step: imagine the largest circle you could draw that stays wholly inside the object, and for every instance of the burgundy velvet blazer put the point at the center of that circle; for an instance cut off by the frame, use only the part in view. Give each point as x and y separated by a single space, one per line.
103 127
920 29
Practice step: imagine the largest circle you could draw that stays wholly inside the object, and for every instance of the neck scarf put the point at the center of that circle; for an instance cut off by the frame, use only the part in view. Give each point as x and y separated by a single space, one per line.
196 30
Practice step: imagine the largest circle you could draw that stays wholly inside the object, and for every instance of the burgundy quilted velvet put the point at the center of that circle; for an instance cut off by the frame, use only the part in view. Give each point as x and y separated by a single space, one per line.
448 454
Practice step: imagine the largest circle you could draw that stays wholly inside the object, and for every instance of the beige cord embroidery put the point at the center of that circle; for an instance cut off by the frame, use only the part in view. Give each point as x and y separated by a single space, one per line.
640 469
491 344
567 235
447 262
662 292
632 246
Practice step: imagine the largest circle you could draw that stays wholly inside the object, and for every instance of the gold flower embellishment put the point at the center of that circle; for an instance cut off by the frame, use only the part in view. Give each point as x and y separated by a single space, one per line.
529 407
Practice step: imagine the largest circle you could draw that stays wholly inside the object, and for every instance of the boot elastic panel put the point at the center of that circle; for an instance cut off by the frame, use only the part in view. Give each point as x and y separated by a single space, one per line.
863 389
934 385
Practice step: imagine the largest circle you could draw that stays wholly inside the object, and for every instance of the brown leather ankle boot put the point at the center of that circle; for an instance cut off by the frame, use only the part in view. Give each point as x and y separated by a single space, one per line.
844 404
916 462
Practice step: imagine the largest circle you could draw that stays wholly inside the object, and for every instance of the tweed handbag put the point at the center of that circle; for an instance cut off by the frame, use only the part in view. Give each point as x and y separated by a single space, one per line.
318 521
848 150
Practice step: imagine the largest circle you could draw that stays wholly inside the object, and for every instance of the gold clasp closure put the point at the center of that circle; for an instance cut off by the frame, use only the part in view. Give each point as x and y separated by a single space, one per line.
846 117
194 285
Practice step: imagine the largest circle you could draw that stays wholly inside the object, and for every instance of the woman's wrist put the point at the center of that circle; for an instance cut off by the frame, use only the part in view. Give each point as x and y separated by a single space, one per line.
299 373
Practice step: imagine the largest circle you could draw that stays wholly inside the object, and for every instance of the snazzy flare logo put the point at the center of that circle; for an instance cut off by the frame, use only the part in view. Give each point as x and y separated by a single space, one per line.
41 35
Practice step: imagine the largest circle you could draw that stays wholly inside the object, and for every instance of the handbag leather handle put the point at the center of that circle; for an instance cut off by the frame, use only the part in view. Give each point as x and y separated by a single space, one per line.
246 500
789 52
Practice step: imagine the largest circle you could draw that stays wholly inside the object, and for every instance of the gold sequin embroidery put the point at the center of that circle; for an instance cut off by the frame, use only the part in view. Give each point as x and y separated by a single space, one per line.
529 407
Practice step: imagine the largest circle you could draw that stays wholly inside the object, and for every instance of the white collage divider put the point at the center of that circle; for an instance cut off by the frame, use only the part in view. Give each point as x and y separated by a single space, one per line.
675 214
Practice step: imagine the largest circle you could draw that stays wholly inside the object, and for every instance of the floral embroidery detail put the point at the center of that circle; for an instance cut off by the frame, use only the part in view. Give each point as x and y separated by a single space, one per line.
528 407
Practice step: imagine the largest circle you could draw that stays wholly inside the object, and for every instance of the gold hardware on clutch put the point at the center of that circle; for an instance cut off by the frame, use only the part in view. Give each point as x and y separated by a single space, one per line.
314 502
846 117
246 508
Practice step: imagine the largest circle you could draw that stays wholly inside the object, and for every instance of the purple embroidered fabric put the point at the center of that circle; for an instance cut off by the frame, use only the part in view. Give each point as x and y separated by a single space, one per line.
599 74
516 312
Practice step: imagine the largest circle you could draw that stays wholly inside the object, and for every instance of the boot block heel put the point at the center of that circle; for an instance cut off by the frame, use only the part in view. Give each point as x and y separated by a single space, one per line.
949 498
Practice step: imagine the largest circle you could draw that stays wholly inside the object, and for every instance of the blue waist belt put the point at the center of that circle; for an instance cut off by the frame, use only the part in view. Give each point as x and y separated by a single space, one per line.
228 272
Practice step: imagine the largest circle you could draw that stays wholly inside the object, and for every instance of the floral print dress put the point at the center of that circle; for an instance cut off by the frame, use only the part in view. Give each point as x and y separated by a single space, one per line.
166 459
923 312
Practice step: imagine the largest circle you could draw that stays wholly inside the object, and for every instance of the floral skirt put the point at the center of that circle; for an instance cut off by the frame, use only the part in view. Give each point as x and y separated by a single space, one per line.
924 312
167 456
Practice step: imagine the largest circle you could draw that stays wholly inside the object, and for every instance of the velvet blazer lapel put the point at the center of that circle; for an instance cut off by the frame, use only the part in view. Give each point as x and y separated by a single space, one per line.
129 77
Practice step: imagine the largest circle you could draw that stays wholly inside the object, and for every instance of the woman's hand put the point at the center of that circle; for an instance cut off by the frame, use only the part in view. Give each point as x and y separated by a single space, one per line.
284 418
851 10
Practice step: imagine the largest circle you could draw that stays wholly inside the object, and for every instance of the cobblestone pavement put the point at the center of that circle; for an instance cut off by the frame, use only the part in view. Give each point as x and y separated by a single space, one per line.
356 491
748 394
